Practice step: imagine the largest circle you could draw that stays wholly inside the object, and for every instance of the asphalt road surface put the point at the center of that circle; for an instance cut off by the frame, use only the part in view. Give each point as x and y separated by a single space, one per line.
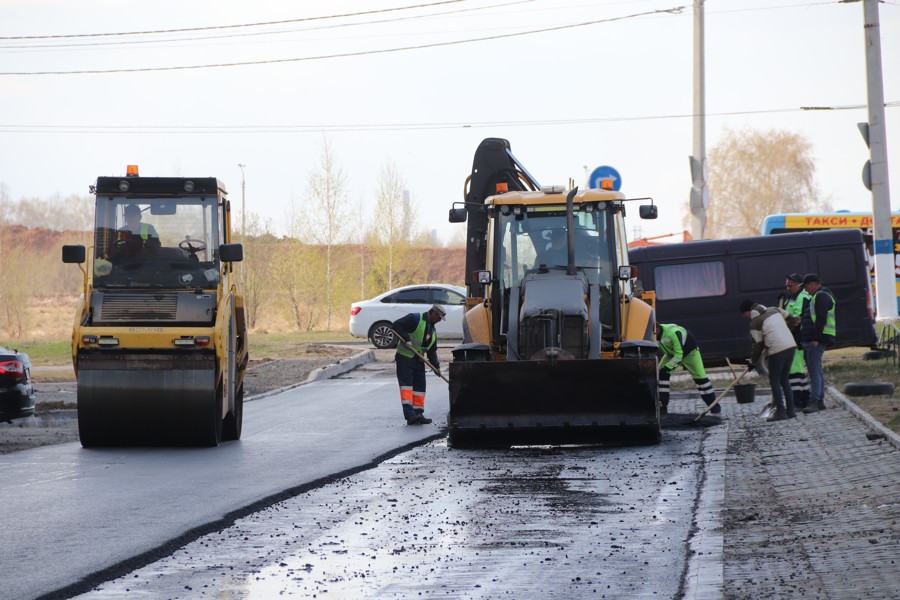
73 516
525 523
316 501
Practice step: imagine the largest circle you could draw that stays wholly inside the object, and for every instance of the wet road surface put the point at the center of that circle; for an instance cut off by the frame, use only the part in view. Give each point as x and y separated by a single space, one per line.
438 523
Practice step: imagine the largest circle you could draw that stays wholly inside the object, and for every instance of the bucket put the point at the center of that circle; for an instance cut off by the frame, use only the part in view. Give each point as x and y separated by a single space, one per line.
745 393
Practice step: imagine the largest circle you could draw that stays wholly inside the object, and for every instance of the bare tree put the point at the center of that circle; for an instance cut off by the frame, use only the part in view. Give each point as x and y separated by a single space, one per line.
327 191
394 262
757 173
255 269
298 269
75 213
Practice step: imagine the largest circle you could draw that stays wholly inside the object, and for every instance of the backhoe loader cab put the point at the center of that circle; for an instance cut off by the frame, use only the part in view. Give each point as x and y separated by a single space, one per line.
558 347
159 341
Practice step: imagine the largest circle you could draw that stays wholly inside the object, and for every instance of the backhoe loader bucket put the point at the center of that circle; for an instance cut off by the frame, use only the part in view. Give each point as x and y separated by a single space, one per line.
605 401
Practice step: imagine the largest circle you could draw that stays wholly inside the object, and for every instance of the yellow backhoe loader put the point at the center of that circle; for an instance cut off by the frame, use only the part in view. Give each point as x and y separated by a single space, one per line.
559 346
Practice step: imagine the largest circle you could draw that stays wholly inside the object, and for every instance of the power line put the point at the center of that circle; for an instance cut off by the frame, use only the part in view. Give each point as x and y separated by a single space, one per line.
362 127
675 10
236 26
120 43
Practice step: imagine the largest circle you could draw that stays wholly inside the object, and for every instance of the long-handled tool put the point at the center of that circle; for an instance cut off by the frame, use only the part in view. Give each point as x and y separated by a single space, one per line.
419 355
722 395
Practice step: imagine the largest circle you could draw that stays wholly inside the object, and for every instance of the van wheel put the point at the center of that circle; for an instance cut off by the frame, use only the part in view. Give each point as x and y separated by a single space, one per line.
879 354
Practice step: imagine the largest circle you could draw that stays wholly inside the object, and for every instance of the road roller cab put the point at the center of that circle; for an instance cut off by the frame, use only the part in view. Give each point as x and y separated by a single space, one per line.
159 341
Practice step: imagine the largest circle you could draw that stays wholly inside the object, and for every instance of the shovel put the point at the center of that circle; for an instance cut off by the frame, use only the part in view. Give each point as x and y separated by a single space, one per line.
418 355
722 395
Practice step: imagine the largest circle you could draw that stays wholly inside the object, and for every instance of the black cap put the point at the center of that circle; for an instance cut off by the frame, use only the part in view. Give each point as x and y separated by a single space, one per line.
811 278
795 277
747 305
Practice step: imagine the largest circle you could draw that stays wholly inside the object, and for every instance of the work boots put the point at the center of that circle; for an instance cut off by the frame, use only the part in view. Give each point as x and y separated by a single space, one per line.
418 418
789 409
780 415
781 412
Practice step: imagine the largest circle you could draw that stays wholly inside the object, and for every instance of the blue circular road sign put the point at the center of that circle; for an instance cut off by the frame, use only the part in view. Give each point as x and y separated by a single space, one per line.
605 173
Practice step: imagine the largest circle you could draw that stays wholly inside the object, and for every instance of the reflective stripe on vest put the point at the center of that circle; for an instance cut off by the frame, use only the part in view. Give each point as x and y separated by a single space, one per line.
830 323
416 338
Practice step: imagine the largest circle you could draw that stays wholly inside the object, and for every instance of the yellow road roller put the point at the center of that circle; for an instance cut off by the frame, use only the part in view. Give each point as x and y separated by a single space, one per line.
159 342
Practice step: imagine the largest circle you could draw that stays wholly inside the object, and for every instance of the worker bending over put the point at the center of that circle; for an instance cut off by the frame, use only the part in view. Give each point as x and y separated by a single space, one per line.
680 349
418 330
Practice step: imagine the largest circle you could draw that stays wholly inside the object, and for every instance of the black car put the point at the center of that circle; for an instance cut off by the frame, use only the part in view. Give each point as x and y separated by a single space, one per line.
16 389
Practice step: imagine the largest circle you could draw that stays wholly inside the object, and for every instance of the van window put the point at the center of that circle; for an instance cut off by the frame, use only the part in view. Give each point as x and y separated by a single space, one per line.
763 273
838 266
694 280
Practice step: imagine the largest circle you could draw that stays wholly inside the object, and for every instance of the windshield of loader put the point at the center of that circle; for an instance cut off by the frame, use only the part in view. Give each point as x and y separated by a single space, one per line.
156 242
537 236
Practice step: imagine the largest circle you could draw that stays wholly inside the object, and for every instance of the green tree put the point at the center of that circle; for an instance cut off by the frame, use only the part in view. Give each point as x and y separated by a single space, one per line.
755 173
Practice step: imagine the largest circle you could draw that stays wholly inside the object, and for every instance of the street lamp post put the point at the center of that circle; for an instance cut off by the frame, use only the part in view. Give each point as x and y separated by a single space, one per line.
243 203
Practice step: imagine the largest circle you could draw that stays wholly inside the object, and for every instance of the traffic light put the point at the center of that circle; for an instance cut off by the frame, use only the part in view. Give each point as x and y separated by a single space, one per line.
867 168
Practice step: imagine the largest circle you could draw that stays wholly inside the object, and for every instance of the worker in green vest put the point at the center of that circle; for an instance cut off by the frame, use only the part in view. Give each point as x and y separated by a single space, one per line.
417 329
818 328
793 304
680 349
134 234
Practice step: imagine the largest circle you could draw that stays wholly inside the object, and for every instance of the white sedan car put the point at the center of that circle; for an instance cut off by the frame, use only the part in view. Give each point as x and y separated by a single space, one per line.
372 318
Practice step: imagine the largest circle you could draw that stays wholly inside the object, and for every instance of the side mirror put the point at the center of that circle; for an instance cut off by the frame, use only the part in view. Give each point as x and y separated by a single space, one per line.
231 252
648 211
627 272
73 254
458 215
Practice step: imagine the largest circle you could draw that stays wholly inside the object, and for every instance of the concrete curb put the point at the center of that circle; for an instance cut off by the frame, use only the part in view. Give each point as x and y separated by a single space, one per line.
326 372
892 438
347 364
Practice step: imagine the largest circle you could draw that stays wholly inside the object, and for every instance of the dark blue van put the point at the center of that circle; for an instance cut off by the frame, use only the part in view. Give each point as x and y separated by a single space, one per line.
699 285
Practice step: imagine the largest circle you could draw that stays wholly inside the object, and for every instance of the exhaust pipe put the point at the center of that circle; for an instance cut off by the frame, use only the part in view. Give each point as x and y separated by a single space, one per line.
570 231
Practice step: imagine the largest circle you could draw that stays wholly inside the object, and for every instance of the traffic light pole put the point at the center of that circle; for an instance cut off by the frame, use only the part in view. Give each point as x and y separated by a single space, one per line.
875 174
699 199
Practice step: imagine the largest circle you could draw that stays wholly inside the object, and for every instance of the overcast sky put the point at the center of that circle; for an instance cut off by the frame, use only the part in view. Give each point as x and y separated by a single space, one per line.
572 84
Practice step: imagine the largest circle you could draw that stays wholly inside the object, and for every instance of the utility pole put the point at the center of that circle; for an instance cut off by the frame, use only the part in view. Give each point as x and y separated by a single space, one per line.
699 191
243 204
875 172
